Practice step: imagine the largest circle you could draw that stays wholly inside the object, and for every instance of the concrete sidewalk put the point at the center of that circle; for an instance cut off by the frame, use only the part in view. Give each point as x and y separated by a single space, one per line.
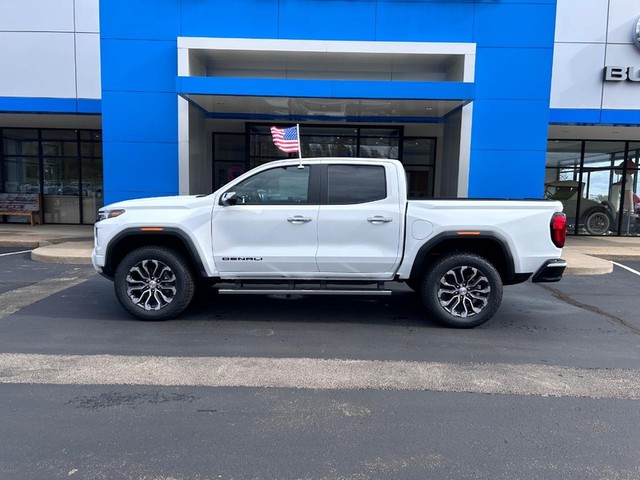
51 243
73 244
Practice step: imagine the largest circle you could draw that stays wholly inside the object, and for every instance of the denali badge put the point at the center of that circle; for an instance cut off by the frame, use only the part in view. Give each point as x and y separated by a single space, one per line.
241 259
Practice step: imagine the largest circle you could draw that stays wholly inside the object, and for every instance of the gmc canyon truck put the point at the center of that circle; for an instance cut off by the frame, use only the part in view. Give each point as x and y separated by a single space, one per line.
327 226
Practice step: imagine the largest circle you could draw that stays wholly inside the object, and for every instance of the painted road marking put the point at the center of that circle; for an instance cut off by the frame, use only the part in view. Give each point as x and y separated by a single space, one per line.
14 253
626 268
14 300
313 373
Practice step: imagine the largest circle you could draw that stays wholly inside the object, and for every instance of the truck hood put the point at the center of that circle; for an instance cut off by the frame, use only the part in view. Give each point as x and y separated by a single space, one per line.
178 201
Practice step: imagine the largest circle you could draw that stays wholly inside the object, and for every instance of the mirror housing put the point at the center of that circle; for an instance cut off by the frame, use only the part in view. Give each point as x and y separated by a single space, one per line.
228 199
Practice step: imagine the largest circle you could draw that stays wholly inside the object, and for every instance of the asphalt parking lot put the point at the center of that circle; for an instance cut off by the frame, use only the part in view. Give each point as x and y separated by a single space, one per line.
234 387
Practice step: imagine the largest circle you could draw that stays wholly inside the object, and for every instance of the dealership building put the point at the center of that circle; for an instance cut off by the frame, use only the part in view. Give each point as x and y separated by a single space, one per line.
105 101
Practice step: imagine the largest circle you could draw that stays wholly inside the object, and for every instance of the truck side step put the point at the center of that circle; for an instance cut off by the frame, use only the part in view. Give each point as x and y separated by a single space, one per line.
299 291
297 287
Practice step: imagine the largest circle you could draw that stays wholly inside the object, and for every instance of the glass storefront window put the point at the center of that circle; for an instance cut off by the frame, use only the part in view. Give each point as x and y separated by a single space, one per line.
419 182
48 162
92 194
230 159
229 147
59 149
59 135
61 190
587 177
20 175
419 151
93 135
625 188
224 172
379 147
91 149
20 142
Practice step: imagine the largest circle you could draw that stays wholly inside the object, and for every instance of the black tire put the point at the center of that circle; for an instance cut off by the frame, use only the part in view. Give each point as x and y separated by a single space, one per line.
461 290
154 283
597 222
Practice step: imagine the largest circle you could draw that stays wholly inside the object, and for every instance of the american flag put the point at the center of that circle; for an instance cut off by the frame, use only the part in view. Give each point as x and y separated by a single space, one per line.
286 139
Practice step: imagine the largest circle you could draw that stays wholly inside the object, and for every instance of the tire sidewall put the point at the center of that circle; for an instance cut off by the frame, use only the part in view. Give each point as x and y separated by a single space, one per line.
587 225
184 282
430 286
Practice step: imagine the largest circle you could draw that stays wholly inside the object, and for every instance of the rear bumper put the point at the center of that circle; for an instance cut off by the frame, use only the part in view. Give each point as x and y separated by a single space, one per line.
551 271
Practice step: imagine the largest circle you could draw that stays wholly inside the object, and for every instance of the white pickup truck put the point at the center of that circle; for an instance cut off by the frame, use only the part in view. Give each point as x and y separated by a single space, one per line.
327 226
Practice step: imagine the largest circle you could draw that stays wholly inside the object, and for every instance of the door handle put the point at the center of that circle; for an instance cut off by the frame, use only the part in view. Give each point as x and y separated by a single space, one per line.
378 219
298 219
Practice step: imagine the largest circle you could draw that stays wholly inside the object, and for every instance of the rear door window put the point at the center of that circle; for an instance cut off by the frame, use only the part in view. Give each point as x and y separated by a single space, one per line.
349 184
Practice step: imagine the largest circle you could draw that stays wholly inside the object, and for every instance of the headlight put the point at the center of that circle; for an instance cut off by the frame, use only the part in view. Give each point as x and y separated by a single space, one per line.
104 214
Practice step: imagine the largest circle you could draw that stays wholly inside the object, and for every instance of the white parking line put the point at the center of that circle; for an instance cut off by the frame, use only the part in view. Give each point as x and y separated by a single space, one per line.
14 300
320 374
626 268
14 253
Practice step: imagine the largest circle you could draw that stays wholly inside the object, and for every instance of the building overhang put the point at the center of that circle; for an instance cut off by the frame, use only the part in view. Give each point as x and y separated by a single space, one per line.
403 81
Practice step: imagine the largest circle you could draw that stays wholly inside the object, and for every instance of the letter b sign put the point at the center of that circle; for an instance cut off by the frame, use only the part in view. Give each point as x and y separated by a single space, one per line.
615 74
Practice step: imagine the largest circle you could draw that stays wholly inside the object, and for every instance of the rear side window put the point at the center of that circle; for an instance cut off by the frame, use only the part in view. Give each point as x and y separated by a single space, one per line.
355 184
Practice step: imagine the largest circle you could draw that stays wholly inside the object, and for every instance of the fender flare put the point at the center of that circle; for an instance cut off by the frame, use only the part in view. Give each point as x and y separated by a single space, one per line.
444 237
165 232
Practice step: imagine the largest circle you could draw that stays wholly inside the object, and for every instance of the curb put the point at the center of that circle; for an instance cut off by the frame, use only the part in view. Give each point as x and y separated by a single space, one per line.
78 253
584 264
24 243
73 260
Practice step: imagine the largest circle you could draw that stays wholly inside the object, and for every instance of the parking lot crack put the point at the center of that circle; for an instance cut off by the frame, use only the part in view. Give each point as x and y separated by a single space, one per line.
591 308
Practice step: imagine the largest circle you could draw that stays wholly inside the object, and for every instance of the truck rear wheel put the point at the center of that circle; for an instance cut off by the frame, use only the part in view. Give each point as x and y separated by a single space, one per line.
461 290
154 283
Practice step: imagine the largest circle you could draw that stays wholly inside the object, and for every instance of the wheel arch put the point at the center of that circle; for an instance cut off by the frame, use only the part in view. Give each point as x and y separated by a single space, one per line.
485 244
133 238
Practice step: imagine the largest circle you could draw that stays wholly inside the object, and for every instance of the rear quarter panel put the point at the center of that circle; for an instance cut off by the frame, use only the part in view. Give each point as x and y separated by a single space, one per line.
522 225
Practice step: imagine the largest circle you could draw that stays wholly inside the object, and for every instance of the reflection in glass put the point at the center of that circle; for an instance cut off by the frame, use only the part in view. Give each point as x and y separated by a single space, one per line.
20 175
227 171
51 166
419 151
596 189
61 190
16 142
419 182
92 195
277 186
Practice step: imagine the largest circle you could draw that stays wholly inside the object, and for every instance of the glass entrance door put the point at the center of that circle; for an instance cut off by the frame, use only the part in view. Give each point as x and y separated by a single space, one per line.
234 153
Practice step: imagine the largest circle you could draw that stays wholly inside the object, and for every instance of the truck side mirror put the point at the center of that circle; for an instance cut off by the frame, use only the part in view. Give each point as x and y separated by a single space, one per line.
228 199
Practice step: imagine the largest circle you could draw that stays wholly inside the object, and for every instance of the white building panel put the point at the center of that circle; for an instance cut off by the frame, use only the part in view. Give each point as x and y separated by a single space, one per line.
582 21
37 65
623 15
622 95
577 75
88 65
36 15
87 16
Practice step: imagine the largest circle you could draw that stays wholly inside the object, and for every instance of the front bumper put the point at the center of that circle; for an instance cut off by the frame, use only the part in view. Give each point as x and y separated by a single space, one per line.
551 271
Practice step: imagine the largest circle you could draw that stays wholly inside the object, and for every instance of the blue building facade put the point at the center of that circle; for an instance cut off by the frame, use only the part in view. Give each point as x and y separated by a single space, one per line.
494 125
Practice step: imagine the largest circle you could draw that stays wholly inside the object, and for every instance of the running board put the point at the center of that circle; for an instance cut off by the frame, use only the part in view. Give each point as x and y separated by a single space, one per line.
273 291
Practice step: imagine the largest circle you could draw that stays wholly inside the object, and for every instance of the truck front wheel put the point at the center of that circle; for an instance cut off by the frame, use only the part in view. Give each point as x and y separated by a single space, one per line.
154 283
461 290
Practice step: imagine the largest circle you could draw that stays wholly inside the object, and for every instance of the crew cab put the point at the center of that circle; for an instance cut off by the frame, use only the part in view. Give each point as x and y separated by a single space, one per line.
327 226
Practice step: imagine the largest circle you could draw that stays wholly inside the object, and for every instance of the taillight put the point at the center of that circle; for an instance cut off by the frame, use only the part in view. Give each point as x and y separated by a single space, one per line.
559 229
